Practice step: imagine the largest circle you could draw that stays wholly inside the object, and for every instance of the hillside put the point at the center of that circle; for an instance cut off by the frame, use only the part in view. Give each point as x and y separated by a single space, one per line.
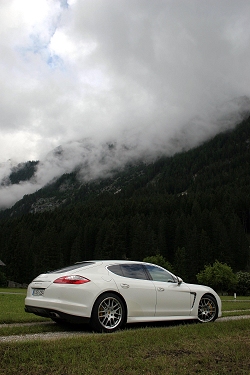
192 208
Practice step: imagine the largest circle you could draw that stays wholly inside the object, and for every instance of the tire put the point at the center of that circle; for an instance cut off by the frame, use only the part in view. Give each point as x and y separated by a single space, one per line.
207 309
108 314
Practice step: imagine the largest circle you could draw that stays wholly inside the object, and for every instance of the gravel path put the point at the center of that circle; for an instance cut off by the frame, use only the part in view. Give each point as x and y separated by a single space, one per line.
26 324
60 335
42 336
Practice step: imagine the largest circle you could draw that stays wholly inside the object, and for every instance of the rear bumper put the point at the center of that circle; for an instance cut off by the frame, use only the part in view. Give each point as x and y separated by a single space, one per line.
56 315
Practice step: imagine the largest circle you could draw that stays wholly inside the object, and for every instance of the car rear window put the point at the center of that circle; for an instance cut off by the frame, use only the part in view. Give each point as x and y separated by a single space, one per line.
72 267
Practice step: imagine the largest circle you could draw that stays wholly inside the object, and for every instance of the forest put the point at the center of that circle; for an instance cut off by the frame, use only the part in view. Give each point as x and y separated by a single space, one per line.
192 208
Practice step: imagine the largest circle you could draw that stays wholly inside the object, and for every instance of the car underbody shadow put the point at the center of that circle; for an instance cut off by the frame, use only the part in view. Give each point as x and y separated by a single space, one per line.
71 327
162 324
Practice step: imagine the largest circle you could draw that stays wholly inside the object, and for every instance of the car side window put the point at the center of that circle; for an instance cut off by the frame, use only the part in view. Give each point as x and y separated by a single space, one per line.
134 271
116 269
159 274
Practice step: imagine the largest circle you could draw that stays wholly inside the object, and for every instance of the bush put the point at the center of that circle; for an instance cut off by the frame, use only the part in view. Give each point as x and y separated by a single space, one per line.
219 276
3 279
243 283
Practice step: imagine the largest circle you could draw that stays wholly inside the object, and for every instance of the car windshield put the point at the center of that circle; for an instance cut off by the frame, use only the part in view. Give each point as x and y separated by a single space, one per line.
72 267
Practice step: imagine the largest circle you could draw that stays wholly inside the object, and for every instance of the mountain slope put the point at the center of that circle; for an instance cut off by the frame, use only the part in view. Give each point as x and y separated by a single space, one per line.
224 160
192 208
91 160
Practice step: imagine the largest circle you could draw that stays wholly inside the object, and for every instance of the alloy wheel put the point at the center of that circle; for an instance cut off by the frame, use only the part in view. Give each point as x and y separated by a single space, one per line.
110 313
207 310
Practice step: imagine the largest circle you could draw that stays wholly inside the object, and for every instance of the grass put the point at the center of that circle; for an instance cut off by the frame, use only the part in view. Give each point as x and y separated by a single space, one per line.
13 290
235 307
219 348
12 308
167 348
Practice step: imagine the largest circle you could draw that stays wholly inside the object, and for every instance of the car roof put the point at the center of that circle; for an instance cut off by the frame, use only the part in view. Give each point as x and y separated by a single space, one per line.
109 261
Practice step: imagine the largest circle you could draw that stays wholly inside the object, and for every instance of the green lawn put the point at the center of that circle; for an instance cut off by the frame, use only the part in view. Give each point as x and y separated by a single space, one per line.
13 290
12 308
238 306
214 348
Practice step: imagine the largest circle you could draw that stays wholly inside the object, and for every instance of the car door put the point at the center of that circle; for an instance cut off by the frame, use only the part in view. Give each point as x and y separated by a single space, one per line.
137 289
172 298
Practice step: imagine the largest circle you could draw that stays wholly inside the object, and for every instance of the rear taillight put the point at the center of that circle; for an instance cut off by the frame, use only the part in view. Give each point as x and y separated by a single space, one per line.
73 279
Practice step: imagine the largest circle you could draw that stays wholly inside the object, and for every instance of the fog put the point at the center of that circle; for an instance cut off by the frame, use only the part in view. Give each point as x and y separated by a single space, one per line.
150 77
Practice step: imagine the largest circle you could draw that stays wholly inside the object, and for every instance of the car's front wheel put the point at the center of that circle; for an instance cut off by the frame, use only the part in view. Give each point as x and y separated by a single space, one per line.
208 309
108 313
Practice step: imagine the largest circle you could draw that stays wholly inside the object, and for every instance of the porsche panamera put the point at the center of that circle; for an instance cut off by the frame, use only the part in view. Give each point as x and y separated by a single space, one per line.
110 293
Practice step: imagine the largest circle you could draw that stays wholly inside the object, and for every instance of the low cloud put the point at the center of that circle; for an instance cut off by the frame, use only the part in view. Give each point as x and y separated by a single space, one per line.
95 160
157 77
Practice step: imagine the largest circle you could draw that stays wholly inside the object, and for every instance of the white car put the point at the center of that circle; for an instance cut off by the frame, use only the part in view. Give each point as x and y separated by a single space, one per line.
110 293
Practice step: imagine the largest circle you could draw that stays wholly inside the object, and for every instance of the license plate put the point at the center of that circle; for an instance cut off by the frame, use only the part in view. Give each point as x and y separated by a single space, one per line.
38 292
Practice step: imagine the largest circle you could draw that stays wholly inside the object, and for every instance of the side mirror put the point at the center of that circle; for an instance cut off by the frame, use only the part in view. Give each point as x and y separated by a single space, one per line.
179 280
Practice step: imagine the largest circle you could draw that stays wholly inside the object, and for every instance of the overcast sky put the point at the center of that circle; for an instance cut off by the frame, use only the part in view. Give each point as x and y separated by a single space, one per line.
142 72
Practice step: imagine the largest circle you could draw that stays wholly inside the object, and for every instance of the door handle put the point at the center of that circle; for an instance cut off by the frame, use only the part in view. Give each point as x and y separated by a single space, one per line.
160 289
125 286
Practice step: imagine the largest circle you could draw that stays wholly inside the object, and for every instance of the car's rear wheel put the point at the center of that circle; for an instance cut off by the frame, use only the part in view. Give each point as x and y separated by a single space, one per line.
108 313
208 309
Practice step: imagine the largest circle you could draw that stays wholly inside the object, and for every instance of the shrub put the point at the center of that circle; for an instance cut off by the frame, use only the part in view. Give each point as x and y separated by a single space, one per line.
3 279
243 283
219 276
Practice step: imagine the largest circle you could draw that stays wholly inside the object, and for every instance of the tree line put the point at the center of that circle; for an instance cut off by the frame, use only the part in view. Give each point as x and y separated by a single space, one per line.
186 233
